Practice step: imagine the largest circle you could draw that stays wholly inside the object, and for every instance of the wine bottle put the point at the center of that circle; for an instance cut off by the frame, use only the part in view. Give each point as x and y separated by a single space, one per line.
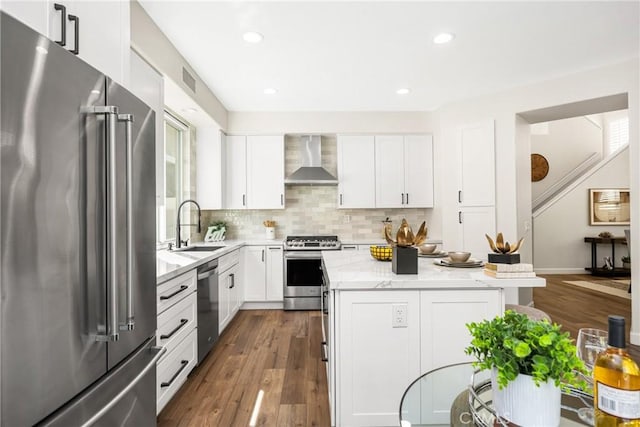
616 381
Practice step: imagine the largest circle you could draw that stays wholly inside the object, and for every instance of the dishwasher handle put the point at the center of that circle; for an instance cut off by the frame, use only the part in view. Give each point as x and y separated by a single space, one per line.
207 273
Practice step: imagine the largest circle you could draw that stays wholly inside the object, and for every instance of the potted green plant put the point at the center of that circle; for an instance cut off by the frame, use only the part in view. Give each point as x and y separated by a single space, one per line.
626 261
530 361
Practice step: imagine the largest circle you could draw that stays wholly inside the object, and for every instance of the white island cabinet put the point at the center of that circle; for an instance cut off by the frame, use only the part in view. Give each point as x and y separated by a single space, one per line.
385 330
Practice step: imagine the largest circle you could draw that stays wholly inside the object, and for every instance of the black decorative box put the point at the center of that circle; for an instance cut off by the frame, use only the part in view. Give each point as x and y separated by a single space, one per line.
404 260
504 258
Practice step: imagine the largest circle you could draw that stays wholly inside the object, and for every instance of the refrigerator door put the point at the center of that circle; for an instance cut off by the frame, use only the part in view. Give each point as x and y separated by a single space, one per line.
52 225
135 255
124 397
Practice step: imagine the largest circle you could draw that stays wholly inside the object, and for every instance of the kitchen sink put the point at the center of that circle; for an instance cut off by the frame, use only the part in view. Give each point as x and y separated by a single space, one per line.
198 249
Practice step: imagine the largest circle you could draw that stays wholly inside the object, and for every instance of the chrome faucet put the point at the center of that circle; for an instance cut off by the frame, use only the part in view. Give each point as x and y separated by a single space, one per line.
179 242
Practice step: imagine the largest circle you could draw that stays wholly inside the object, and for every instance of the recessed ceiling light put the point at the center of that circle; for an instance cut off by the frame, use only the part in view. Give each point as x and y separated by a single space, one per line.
403 91
443 38
252 37
270 91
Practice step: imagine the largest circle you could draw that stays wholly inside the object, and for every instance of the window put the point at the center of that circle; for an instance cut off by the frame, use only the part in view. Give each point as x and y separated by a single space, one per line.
618 135
176 174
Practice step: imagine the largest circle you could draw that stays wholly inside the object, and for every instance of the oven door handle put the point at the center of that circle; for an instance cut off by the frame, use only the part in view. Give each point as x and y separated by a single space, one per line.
302 255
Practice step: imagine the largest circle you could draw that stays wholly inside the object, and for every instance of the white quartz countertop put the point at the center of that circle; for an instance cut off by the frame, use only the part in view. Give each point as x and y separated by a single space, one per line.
381 241
358 270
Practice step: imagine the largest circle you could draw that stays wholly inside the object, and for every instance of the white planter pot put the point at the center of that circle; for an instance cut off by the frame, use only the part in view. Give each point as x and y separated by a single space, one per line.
524 404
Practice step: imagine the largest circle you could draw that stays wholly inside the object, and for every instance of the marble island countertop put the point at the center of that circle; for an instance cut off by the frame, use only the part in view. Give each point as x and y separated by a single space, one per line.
358 270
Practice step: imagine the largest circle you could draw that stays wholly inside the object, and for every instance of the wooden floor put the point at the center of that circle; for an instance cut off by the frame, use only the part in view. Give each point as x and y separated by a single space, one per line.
279 352
574 307
271 350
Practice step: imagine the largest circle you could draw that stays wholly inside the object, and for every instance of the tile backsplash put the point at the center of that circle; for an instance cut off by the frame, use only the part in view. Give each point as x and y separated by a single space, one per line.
313 209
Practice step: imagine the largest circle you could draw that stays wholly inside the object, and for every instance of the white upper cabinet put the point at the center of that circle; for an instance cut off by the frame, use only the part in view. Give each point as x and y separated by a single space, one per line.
476 168
404 171
254 172
209 166
356 172
96 31
265 172
235 172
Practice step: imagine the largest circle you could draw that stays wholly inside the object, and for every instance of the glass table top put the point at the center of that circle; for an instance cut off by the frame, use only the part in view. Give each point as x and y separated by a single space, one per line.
441 398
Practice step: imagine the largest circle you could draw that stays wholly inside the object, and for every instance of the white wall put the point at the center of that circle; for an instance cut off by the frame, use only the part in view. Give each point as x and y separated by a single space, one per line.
513 187
566 144
559 230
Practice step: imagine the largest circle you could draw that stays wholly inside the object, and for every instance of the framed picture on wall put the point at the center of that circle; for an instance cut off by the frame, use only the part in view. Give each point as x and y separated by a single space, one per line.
609 206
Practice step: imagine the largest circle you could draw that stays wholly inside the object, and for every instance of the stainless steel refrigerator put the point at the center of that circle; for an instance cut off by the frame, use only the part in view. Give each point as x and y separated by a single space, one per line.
77 269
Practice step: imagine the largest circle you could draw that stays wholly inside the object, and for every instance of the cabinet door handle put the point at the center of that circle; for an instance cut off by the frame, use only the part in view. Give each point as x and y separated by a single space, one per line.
281 199
244 200
459 196
263 255
402 196
324 356
232 276
176 329
182 288
63 23
459 217
184 364
340 199
76 35
407 196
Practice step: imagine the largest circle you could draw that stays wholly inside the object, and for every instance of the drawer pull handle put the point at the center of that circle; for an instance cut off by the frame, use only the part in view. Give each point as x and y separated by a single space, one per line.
182 288
177 328
184 364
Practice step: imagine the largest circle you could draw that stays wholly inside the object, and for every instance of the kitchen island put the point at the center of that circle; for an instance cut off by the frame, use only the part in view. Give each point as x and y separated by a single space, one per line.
383 330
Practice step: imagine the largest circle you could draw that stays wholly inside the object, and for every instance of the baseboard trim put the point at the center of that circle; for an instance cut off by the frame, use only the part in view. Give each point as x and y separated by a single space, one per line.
634 337
261 305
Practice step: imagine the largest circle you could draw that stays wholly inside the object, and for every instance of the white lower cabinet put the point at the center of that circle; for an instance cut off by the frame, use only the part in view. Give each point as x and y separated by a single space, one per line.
383 340
177 332
229 288
263 276
173 368
375 360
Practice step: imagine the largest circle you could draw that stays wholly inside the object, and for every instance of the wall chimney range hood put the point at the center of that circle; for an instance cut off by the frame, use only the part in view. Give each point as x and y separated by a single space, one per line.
311 172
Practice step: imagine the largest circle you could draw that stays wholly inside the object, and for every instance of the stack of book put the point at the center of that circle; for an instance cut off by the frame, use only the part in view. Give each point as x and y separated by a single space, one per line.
509 271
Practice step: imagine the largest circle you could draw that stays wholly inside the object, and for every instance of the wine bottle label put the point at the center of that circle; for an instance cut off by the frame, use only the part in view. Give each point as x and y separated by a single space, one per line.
618 402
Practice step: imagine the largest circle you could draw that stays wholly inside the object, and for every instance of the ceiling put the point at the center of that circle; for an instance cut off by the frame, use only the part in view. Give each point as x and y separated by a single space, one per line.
353 56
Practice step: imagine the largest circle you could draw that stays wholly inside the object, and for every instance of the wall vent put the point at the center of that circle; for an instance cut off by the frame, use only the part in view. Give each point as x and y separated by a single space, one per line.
188 79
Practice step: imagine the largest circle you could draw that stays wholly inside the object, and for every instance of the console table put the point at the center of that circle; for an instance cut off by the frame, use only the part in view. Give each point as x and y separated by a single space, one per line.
599 271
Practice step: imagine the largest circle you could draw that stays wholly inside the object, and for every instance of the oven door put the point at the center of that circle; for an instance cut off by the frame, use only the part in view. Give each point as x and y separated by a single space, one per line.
302 273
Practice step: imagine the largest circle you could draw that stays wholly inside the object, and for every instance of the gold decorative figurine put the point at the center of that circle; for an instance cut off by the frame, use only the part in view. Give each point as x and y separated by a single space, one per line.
405 237
504 253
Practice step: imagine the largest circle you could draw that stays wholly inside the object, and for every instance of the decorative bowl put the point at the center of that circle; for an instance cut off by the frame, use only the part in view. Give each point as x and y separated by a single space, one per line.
381 253
427 248
459 256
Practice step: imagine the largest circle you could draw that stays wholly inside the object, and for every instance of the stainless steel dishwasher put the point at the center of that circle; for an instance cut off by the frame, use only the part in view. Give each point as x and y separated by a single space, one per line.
207 307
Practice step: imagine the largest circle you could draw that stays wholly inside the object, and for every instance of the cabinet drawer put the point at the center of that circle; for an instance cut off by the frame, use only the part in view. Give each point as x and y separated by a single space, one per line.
226 261
176 322
176 289
172 370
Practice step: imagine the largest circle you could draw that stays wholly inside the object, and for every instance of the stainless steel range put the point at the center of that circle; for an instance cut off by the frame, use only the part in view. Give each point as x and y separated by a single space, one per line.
303 270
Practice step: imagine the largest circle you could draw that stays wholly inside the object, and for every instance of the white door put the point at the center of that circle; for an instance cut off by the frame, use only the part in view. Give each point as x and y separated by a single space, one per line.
476 175
418 171
235 172
254 273
473 224
390 191
234 290
265 172
275 273
224 311
356 172
209 167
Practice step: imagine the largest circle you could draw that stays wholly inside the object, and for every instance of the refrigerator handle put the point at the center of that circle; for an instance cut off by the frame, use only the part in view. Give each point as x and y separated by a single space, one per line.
128 121
160 351
111 115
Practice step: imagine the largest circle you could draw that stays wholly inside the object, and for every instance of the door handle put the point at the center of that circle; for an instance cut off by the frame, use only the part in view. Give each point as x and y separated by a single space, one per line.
244 200
183 364
63 23
407 196
402 195
76 35
459 217
459 196
263 255
281 199
341 199
128 121
232 276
